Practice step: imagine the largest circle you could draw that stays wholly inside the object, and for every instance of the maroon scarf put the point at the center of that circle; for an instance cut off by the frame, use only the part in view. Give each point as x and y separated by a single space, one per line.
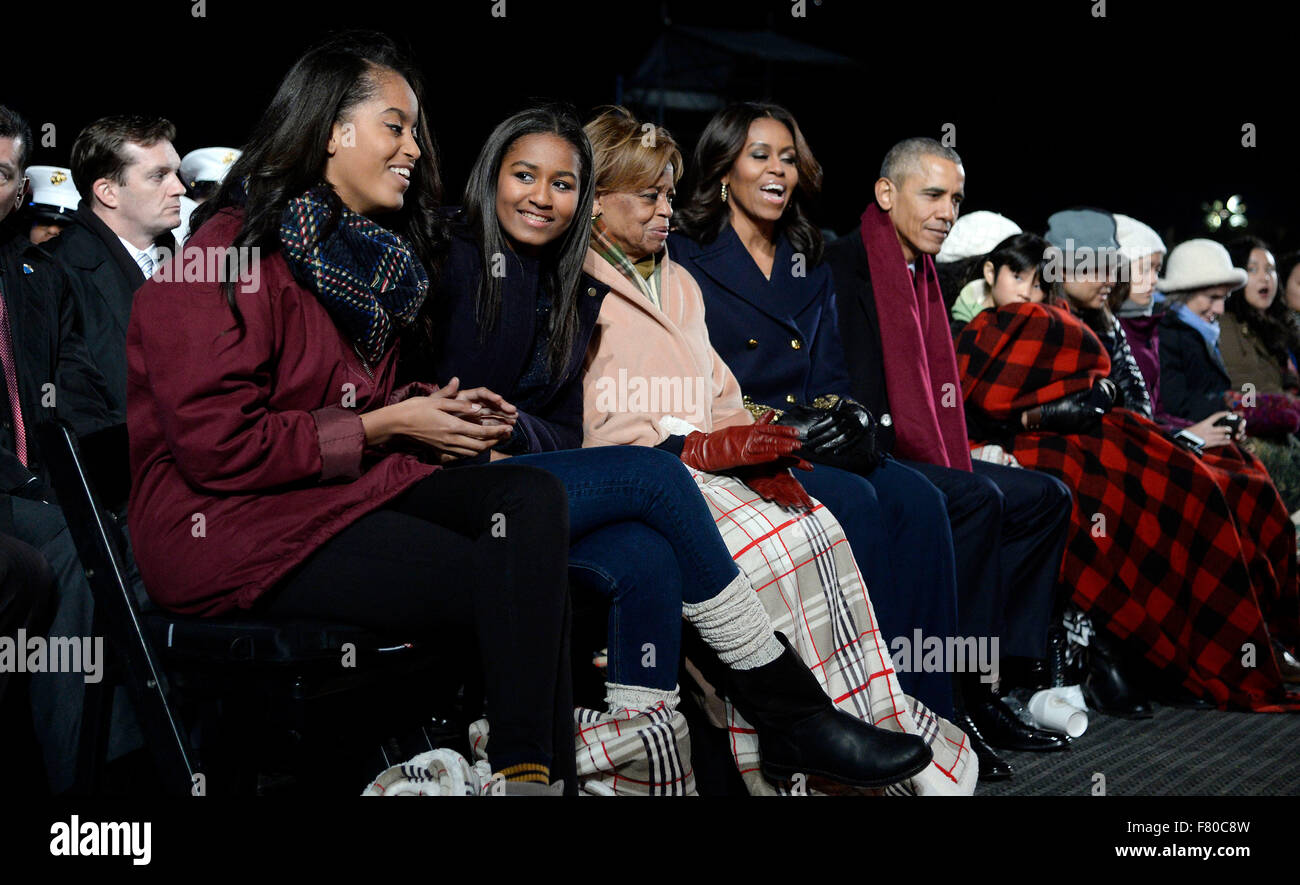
917 350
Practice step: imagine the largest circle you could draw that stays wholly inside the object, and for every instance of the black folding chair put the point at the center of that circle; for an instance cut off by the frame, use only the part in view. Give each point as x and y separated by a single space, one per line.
252 691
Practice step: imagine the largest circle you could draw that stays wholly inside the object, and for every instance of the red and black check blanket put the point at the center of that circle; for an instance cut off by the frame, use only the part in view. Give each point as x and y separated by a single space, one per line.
1194 558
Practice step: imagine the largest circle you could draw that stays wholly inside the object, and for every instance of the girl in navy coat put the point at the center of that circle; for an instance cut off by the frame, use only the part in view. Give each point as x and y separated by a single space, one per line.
770 309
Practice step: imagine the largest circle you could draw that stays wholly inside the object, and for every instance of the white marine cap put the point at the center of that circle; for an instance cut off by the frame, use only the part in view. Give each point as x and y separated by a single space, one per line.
976 234
53 193
207 164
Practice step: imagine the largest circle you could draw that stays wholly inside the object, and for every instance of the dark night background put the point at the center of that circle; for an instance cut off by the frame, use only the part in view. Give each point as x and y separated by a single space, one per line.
1139 112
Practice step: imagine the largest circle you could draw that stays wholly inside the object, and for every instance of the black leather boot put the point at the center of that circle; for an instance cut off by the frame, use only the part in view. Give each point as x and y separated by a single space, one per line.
801 732
1107 687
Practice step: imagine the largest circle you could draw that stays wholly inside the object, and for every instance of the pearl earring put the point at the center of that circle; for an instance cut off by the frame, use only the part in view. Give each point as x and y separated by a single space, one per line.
724 192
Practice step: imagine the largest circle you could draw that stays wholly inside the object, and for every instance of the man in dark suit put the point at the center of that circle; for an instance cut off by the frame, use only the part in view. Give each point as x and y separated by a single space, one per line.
128 175
1008 525
48 373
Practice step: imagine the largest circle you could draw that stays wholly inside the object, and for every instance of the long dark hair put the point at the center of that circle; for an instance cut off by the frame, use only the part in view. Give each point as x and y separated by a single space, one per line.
706 216
561 260
286 154
1276 328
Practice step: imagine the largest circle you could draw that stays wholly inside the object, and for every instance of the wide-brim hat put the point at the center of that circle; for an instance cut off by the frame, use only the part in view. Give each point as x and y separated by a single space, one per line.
1200 264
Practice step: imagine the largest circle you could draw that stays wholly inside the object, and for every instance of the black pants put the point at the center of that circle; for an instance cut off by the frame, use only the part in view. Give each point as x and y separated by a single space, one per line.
1008 534
479 549
26 593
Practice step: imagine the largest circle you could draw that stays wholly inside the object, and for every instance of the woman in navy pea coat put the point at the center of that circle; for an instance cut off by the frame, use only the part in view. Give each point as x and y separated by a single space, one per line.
776 329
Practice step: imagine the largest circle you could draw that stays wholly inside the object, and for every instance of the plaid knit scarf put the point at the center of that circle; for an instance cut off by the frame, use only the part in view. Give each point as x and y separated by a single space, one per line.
365 276
604 246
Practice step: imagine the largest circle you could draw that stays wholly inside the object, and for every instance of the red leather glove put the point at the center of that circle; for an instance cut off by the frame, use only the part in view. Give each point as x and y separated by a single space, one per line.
775 482
759 443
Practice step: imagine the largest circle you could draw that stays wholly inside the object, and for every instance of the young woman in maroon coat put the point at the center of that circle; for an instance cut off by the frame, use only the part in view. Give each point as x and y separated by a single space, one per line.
263 418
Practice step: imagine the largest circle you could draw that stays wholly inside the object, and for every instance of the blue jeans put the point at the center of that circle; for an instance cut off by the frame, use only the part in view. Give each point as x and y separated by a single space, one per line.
642 534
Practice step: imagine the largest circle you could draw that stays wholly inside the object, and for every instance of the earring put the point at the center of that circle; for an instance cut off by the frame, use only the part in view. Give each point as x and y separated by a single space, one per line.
595 215
724 192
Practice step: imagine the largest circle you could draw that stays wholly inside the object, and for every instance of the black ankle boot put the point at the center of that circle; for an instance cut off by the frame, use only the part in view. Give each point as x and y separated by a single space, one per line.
1108 686
801 732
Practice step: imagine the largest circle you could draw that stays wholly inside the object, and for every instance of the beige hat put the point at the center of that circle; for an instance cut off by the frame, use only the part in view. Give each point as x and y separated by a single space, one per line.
1199 264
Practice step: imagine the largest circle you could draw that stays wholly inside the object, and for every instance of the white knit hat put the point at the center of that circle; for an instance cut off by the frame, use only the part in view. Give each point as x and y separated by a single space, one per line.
1198 264
976 234
1136 240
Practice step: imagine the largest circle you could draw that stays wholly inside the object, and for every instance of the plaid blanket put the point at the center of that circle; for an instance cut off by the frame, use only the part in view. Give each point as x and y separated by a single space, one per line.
633 752
1187 556
802 568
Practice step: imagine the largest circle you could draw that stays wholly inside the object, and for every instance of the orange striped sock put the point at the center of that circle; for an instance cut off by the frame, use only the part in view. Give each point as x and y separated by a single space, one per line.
525 772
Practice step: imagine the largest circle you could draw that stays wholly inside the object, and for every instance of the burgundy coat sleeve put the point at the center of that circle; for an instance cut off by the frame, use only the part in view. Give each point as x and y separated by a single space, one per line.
211 392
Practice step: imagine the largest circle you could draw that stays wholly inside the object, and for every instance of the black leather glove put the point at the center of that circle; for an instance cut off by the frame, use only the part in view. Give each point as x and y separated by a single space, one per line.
844 435
1077 413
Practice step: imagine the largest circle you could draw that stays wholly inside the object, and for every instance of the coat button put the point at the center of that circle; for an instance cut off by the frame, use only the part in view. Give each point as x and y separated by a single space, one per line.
789 397
886 420
592 291
752 343
796 343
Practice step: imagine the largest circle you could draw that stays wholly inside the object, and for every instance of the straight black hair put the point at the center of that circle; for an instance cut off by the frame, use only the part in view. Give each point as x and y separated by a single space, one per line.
561 260
286 154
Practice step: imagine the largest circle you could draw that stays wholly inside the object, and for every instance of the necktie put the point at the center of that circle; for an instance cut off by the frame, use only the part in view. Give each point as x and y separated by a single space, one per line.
146 265
11 382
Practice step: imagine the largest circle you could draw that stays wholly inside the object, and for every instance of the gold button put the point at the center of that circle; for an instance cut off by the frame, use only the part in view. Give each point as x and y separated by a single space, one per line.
789 397
796 343
752 343
592 291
